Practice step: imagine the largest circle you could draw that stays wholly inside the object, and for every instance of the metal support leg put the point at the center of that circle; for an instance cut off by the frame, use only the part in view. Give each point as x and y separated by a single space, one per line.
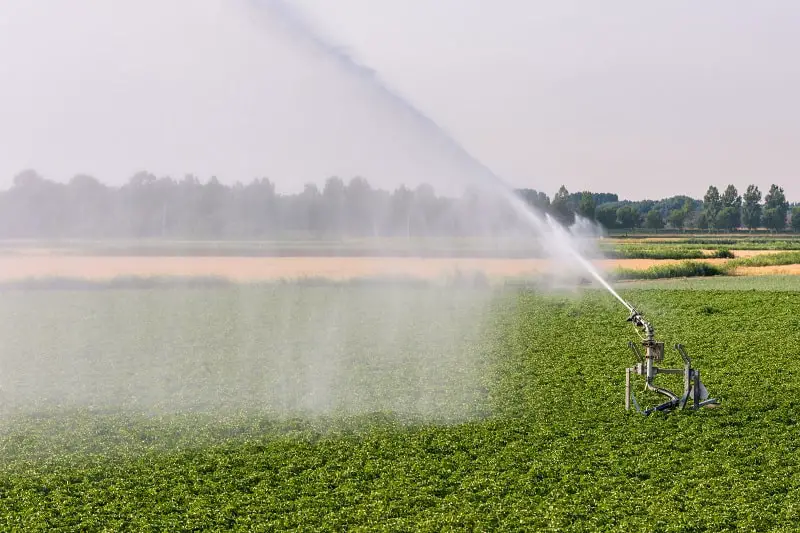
687 383
627 389
696 389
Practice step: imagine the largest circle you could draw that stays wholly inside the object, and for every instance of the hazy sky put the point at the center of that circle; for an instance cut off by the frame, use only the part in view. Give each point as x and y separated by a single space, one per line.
647 99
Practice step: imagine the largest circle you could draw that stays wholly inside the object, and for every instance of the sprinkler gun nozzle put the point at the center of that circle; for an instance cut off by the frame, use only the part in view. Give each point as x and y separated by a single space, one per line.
638 320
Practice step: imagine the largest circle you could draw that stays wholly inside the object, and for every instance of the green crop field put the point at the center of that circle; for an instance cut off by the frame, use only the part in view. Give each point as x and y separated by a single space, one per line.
393 408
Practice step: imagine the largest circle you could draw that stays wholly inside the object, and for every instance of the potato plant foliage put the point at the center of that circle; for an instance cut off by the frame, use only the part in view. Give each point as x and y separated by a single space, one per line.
539 442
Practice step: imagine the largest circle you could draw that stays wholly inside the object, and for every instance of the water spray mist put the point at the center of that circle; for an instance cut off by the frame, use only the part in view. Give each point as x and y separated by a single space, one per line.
558 240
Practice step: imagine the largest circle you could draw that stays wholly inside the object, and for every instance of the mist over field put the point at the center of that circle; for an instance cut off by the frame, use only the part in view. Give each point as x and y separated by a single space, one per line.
277 350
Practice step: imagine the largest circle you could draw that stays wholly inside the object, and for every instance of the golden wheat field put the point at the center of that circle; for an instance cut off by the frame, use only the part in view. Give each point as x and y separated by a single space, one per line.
36 264
270 268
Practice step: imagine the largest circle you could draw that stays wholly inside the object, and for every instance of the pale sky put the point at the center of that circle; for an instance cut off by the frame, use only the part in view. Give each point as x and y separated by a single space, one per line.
646 99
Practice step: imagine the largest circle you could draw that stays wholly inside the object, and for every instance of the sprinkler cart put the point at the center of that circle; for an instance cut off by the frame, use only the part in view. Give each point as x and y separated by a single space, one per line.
694 394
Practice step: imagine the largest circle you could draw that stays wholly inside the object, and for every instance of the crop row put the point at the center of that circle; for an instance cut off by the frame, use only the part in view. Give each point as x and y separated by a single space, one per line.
622 251
748 243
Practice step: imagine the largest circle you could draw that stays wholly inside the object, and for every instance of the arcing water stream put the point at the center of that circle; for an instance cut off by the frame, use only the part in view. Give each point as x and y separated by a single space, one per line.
558 240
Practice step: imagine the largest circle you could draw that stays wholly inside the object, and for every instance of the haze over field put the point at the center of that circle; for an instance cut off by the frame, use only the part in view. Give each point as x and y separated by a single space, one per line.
649 100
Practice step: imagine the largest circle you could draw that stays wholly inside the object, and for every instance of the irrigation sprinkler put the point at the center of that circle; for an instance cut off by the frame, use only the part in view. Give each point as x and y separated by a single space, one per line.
694 394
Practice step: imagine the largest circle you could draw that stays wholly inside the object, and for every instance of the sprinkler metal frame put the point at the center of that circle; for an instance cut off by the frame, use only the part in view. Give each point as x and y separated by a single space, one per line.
693 388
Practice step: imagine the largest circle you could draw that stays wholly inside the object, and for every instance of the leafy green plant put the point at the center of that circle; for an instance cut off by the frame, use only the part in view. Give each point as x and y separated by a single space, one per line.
545 445
722 253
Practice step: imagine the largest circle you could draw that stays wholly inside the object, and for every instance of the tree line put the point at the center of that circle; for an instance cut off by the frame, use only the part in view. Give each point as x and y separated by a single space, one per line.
728 211
147 206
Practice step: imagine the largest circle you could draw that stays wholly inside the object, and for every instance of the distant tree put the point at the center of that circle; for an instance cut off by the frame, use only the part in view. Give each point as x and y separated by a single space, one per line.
425 210
141 206
775 208
359 204
606 215
604 198
334 200
653 219
702 221
89 207
796 219
215 210
668 205
712 204
627 217
29 179
644 207
773 219
677 218
537 199
751 210
401 210
560 207
731 198
543 201
586 206
730 216
35 206
690 207
598 197
309 210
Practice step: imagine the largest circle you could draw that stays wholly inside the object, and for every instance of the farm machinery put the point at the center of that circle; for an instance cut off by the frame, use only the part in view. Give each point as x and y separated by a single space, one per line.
694 394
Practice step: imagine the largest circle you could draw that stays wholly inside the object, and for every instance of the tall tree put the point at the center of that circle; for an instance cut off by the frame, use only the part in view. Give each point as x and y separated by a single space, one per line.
751 209
731 198
796 218
311 208
775 208
361 220
535 199
402 209
425 209
89 207
730 216
712 204
701 221
334 198
561 208
586 206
